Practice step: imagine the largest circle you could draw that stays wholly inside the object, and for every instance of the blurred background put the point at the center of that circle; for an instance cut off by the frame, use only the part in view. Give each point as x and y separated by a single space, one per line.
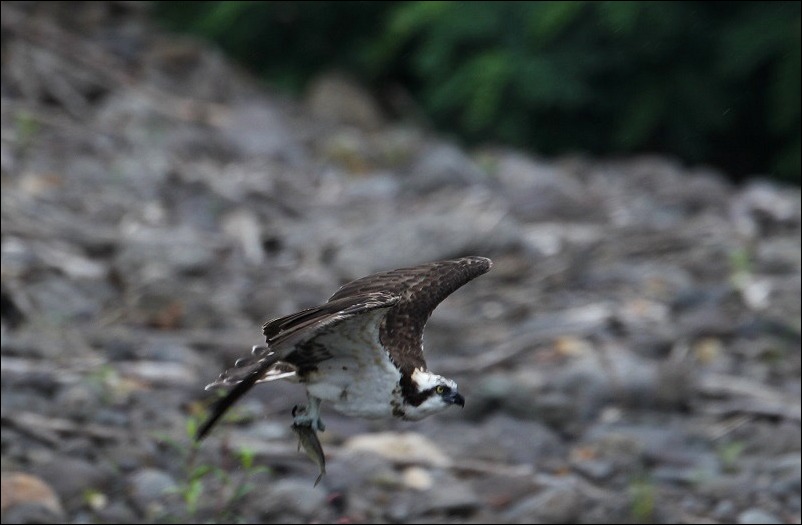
707 82
175 174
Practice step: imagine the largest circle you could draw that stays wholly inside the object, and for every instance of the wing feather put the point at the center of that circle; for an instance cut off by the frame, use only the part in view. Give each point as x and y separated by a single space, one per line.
409 296
224 403
286 337
420 288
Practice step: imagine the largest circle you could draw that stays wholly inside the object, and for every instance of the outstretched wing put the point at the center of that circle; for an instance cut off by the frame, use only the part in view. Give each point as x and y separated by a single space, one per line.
291 346
419 289
407 296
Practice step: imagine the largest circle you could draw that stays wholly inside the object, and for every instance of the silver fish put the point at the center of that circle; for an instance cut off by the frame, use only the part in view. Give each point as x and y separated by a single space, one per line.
307 438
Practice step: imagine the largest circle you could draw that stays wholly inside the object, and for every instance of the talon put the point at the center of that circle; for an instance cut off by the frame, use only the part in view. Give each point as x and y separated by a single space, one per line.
303 419
308 415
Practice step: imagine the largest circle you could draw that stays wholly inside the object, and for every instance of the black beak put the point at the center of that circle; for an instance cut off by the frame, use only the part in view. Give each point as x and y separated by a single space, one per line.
455 399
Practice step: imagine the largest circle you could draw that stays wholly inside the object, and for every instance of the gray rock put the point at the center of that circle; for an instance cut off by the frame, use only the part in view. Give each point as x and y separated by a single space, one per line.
32 513
148 488
723 487
123 456
261 130
440 166
725 511
759 516
458 222
400 509
763 206
288 499
595 469
29 499
408 447
149 254
541 191
68 300
503 490
786 474
337 98
80 401
447 496
116 512
354 470
501 438
72 477
556 504
159 372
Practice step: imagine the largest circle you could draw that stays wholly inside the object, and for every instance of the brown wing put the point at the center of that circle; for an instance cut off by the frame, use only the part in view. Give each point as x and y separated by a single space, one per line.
300 330
288 344
420 289
410 295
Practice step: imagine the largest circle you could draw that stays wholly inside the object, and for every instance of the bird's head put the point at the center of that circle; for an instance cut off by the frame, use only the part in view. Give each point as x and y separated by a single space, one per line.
426 393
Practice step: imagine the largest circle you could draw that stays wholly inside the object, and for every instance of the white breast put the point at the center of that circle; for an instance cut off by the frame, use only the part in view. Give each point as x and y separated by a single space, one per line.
359 380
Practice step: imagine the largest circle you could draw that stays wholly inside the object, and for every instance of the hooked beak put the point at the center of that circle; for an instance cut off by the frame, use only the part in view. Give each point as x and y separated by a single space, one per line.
455 398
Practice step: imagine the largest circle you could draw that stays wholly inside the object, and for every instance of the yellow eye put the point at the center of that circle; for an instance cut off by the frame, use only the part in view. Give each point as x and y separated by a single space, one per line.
439 389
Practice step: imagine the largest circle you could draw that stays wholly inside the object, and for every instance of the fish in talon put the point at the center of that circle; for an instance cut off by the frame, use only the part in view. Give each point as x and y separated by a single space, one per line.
307 438
361 352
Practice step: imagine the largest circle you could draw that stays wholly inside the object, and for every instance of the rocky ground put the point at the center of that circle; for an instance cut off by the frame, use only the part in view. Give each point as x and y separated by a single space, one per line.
633 356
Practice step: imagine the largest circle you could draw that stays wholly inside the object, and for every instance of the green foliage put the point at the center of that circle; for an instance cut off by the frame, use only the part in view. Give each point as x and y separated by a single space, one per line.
642 501
741 265
229 487
730 454
27 128
709 82
285 42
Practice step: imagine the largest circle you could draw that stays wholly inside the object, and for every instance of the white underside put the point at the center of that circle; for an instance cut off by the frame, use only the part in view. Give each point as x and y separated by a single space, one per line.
360 380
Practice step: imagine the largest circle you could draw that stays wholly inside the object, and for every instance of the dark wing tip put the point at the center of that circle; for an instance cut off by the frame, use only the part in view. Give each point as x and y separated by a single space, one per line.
224 403
483 263
221 406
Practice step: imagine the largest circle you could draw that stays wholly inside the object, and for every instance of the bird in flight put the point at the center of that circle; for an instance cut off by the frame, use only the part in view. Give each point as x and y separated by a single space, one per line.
362 351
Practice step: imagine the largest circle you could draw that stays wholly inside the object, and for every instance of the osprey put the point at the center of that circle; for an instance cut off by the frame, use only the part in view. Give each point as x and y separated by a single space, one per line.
362 351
